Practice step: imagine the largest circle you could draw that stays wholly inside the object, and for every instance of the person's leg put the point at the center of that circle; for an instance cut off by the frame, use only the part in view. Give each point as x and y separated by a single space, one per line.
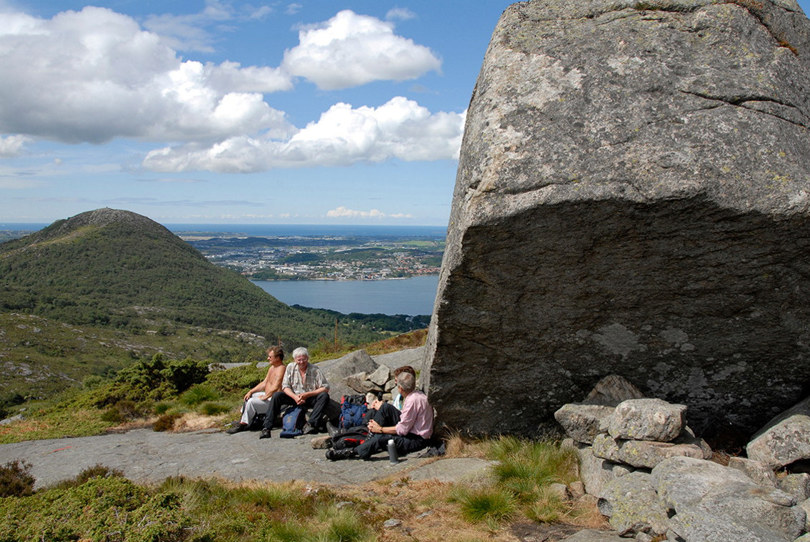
318 405
277 401
372 445
254 406
387 415
409 444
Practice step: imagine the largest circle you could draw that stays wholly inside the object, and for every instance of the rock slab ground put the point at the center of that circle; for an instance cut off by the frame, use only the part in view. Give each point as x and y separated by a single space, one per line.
146 456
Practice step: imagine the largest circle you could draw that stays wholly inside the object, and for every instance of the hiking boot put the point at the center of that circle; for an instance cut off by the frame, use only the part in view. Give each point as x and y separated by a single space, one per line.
309 429
237 428
265 433
331 429
336 455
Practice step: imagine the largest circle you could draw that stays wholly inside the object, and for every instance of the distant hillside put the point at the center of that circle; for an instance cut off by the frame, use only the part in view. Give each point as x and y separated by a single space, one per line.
119 269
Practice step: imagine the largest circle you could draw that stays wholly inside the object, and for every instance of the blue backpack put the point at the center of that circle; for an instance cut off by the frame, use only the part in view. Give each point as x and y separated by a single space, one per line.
353 411
292 422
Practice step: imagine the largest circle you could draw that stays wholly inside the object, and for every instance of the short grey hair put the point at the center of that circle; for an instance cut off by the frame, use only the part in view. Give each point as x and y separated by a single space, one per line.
301 350
406 382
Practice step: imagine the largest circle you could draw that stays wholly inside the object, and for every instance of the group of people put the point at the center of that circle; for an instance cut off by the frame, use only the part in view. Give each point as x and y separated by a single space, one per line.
408 420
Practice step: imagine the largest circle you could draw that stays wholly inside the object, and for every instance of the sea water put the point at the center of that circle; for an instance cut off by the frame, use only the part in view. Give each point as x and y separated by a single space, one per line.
412 296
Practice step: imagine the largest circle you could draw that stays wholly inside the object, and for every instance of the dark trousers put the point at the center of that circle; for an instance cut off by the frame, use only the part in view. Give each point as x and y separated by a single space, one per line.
387 416
379 442
280 399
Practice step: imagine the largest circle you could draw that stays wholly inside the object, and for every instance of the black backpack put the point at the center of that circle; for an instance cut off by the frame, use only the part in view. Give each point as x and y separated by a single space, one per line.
350 439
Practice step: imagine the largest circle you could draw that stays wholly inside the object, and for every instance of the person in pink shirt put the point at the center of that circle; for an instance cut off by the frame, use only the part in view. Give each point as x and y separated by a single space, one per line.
411 432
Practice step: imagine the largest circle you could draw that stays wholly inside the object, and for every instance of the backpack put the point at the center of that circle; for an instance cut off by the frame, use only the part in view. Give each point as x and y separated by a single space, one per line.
350 439
292 421
353 411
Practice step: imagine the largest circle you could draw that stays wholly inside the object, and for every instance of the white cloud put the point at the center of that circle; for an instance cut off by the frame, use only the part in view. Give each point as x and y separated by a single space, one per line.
12 145
343 212
94 75
400 14
351 49
400 128
188 32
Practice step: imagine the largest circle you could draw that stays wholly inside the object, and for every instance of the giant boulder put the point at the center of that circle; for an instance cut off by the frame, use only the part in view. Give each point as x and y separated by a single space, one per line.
632 198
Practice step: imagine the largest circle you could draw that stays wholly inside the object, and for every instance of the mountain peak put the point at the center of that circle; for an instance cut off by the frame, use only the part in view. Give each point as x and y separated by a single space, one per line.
100 218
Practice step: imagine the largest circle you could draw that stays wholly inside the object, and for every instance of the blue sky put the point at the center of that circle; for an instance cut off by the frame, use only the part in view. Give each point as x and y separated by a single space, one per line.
307 112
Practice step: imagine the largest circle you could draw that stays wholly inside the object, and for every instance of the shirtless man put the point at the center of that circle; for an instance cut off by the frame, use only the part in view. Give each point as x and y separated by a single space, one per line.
257 400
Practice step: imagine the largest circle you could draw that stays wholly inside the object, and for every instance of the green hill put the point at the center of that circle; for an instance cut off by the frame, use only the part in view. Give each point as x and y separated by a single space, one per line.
122 273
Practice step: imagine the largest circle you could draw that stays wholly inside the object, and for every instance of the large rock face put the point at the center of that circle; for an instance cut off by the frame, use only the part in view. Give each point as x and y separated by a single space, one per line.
632 197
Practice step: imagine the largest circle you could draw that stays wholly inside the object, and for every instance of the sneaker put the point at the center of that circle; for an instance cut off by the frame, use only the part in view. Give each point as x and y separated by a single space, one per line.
237 428
336 455
265 433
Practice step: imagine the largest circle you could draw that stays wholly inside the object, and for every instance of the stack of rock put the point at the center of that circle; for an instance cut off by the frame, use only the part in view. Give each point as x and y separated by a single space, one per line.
654 479
380 382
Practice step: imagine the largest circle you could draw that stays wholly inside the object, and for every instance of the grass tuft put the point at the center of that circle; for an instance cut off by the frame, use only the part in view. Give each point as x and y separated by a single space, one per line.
490 505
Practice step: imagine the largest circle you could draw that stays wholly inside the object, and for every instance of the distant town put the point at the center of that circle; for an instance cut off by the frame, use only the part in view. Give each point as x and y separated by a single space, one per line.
322 257
313 257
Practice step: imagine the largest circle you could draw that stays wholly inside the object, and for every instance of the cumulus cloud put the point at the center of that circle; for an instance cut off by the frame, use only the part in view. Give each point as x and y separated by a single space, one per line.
11 146
351 49
94 75
343 135
343 212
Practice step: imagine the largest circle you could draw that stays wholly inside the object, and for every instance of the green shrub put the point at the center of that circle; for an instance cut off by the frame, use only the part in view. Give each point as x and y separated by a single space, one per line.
197 394
96 471
122 411
16 480
110 508
213 409
236 379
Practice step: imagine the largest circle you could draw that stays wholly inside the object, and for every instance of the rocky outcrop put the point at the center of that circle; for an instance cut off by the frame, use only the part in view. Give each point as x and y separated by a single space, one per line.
632 197
651 489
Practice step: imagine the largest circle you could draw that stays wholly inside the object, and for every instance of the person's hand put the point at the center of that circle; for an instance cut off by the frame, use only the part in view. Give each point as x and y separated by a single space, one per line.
247 396
374 427
299 400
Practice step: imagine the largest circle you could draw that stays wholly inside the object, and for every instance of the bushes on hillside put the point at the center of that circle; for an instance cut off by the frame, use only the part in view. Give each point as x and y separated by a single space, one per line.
16 480
153 380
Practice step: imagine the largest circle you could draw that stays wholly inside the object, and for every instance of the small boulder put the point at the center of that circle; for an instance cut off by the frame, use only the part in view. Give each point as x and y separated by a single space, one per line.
712 503
758 471
381 376
643 453
785 439
647 419
796 484
612 390
632 505
583 422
